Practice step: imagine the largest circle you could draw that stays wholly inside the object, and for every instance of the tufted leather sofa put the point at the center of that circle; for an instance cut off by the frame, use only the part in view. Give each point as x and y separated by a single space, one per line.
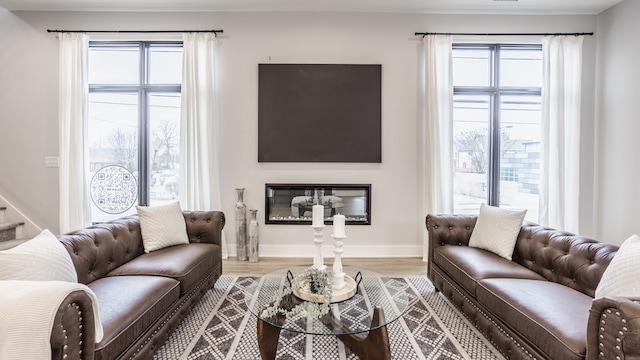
541 304
141 297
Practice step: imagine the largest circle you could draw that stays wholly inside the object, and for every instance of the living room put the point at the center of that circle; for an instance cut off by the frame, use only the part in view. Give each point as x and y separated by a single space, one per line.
313 34
607 193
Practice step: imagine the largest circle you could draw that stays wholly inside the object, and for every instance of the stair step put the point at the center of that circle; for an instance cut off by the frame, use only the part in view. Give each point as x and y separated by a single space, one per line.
10 225
8 230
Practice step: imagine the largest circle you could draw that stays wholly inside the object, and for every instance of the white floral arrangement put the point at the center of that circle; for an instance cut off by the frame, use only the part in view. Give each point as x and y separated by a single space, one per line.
312 280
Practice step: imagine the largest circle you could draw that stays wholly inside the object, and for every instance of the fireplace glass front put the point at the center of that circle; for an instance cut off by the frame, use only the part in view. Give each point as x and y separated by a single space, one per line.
293 203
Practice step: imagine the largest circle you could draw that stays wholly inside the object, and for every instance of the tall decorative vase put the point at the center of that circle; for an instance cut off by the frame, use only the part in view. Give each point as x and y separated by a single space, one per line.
241 226
253 237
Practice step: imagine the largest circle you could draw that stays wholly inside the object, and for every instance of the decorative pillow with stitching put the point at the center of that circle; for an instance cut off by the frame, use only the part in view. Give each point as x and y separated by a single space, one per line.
162 226
42 258
497 230
622 276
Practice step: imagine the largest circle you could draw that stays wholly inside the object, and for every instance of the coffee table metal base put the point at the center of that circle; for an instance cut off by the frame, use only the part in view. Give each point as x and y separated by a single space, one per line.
373 346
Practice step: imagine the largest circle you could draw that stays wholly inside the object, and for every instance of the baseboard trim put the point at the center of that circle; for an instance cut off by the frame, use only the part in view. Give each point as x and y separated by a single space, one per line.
308 251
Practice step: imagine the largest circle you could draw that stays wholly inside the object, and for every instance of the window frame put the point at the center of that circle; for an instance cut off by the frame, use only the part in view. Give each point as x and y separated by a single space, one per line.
495 92
143 89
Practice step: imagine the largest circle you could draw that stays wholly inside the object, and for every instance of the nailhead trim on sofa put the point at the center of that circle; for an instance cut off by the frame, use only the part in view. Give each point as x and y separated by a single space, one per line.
496 325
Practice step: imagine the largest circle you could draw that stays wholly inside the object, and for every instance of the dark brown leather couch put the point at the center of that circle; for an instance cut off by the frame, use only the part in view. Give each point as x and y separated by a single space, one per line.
141 297
541 304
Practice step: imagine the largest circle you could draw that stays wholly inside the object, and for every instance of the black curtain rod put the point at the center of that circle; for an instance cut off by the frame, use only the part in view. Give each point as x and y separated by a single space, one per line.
504 34
134 31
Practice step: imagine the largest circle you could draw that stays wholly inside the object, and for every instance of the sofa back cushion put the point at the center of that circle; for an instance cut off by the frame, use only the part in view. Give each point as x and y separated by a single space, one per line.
574 261
100 248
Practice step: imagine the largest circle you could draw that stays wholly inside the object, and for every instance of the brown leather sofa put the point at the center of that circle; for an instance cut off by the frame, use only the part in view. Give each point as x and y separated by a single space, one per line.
141 297
541 304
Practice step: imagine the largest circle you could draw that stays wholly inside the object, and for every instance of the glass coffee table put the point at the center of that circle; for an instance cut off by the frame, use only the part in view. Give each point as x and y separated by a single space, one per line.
360 322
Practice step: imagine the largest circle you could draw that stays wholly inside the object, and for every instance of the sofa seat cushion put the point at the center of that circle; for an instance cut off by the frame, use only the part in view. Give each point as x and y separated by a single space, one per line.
189 264
467 265
128 306
551 316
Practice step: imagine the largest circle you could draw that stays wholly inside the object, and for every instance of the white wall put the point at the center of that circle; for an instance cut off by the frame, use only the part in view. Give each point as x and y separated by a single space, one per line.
28 119
618 124
28 109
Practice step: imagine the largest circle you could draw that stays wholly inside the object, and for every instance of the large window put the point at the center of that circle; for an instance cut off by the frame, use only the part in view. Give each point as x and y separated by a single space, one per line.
133 129
497 112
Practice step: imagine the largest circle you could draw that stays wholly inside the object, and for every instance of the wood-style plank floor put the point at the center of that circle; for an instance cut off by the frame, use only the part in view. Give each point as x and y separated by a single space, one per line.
386 266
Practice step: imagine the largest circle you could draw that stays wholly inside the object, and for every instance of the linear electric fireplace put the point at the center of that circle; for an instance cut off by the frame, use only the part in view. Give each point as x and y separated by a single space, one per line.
292 203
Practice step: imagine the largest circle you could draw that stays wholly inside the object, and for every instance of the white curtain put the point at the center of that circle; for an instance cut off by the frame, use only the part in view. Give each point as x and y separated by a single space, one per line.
437 122
561 91
199 127
75 206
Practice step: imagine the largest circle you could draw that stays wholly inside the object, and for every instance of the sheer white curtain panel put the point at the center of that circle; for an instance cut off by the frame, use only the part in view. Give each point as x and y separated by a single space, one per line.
75 205
561 96
437 122
199 126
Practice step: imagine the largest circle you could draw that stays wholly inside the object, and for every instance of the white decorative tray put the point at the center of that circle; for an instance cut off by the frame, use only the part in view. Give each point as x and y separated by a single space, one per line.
350 289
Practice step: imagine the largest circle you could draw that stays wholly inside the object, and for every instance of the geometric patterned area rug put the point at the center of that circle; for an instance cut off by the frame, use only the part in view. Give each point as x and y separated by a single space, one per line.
220 327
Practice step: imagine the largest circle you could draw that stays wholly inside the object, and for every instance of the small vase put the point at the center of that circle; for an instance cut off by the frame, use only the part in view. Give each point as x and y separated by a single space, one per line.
253 237
241 226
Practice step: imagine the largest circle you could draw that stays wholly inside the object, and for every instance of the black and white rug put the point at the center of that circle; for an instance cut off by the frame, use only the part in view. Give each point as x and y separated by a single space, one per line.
220 327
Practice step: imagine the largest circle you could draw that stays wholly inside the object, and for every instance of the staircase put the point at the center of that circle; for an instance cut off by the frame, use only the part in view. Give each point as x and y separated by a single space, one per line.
10 232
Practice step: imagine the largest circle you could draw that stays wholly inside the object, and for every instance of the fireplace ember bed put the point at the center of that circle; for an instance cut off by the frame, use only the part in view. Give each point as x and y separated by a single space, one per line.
292 203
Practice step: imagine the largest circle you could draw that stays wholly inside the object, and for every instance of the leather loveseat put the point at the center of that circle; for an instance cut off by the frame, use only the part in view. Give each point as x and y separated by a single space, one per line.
541 304
142 297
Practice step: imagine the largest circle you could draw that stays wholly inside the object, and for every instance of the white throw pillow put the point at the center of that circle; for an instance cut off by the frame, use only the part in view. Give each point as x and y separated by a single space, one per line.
497 230
622 276
42 258
162 226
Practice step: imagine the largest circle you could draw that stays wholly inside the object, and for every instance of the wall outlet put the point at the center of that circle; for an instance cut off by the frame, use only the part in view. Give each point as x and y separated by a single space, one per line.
52 161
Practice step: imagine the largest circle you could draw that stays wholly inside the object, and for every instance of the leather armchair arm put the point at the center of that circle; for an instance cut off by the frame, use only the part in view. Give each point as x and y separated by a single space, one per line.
614 328
73 332
205 226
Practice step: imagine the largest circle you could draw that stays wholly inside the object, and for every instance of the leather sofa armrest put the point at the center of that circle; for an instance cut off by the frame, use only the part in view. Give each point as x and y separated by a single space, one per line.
205 226
613 330
450 229
73 332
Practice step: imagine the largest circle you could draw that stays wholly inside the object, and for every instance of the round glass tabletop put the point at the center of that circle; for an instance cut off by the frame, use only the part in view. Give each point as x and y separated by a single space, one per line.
378 301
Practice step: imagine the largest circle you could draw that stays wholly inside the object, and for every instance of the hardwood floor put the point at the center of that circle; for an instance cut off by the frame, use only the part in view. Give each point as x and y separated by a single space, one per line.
386 266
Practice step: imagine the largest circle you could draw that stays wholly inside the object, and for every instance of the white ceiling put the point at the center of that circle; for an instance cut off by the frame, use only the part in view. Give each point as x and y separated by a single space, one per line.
402 6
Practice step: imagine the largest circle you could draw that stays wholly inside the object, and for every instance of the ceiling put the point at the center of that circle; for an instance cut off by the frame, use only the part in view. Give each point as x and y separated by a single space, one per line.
400 6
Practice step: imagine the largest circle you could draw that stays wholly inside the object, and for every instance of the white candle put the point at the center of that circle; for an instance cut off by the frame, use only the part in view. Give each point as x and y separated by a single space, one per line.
318 215
338 225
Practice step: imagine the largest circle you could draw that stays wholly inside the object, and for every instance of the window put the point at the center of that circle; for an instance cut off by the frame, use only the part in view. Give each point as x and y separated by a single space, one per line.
497 117
133 128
